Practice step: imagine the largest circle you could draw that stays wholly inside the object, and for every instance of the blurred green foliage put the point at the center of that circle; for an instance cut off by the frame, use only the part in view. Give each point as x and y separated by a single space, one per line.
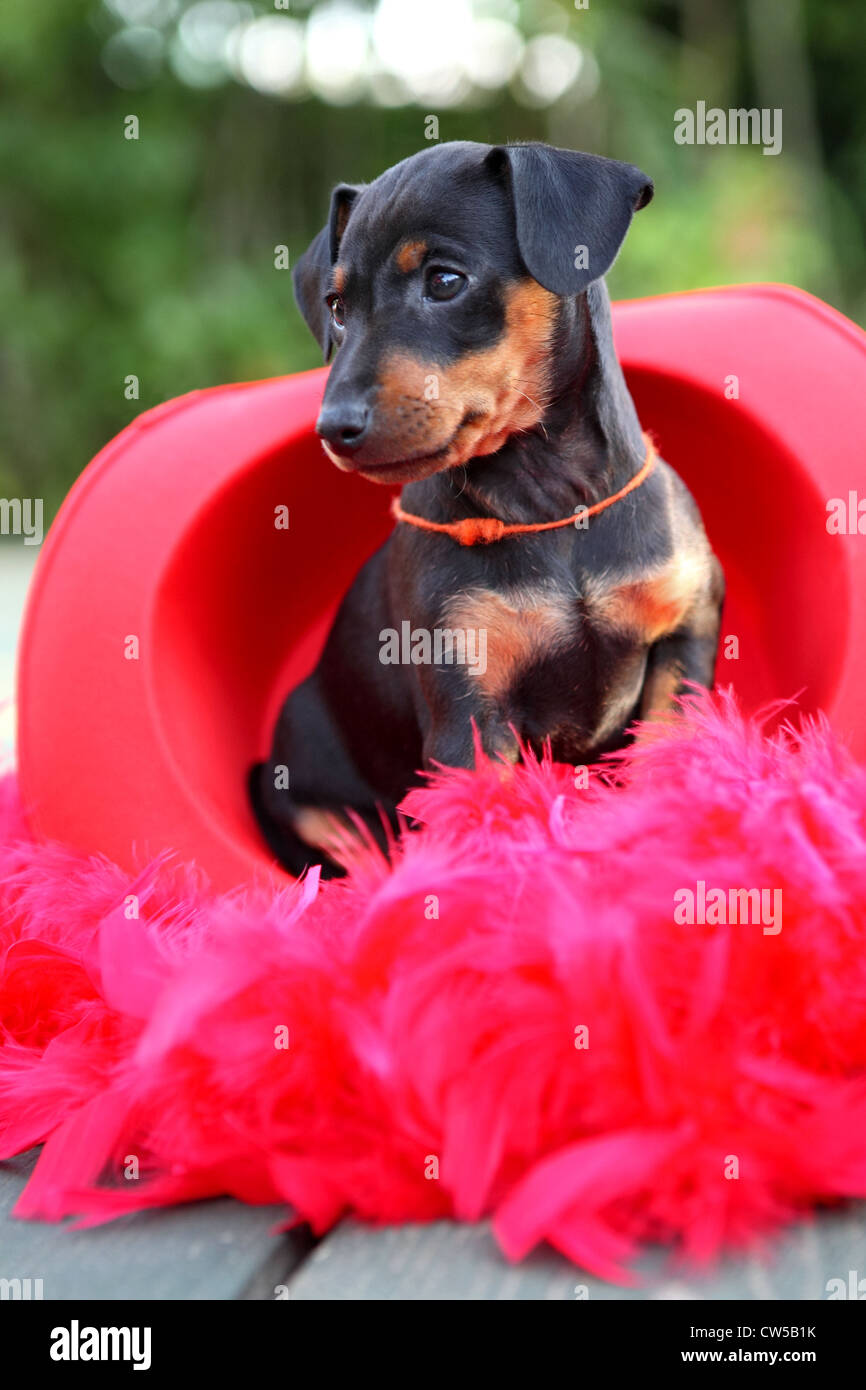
155 257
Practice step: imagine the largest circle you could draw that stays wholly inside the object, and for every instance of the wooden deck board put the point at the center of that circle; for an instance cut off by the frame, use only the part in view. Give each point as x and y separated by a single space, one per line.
448 1261
224 1250
208 1250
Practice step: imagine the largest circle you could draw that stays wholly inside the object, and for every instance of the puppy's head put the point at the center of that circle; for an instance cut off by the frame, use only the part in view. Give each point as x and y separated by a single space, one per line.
438 287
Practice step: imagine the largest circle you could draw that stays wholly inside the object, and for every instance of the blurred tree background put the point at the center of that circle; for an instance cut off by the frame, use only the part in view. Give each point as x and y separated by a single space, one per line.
155 257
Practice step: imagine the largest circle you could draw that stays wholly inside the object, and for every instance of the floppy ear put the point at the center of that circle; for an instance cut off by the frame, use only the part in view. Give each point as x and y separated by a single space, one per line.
312 272
572 210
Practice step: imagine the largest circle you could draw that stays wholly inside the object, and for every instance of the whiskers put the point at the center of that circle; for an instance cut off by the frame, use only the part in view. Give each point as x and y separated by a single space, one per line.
462 487
540 425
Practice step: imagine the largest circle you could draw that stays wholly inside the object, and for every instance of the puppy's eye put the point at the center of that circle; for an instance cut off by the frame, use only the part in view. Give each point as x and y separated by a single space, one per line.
443 284
338 310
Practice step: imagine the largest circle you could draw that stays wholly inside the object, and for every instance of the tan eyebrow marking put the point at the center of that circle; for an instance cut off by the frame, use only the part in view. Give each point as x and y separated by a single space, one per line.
339 279
409 255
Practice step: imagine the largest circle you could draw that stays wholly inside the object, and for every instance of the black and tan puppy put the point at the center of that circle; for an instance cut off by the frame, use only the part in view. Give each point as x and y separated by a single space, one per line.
462 294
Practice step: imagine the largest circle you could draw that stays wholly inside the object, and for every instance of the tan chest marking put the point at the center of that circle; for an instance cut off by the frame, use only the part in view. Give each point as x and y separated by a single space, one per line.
521 626
653 605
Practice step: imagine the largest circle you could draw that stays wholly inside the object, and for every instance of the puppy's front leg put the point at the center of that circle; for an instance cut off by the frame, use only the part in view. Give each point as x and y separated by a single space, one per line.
451 743
688 654
685 657
454 712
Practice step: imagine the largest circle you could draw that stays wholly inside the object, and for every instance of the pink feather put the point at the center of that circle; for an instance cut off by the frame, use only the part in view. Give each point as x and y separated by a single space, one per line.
435 1009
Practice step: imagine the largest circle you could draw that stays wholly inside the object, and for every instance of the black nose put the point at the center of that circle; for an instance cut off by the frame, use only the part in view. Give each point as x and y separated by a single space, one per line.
344 425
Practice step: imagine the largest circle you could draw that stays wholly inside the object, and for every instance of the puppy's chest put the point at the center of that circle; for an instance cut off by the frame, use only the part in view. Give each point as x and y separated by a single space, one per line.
573 628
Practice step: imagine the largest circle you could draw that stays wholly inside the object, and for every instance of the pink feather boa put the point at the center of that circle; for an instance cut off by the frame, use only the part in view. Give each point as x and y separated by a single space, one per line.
553 1048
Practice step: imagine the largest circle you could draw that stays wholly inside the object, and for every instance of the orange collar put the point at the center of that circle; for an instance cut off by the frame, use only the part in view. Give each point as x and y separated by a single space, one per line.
482 530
